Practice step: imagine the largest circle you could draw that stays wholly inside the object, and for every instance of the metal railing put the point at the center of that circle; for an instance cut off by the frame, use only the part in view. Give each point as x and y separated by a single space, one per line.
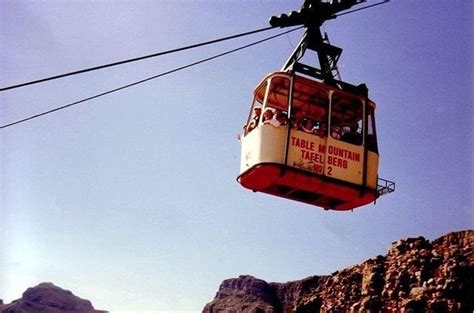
385 186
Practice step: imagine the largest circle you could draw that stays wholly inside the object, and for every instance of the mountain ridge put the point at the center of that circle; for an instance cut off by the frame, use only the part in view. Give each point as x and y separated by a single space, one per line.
48 298
416 275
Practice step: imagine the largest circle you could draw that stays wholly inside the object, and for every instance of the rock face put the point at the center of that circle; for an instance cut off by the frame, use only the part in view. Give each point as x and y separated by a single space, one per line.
47 298
416 275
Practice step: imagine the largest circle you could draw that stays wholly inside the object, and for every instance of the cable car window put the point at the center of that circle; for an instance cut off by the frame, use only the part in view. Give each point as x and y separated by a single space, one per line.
371 134
255 109
310 107
276 108
278 95
346 118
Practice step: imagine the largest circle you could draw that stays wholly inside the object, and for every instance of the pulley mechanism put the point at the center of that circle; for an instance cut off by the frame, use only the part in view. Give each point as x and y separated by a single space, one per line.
312 15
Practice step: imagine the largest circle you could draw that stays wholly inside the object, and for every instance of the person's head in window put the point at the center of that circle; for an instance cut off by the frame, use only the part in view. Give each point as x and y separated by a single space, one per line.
267 116
254 120
282 118
256 113
336 131
307 125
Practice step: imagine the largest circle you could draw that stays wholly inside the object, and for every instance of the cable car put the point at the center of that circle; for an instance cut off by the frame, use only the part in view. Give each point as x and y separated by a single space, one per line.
311 137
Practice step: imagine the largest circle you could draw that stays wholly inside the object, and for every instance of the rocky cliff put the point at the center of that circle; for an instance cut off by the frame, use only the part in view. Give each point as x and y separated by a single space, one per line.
416 275
48 298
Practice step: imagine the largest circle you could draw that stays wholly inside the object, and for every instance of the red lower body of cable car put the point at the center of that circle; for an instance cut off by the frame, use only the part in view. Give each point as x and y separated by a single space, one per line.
295 184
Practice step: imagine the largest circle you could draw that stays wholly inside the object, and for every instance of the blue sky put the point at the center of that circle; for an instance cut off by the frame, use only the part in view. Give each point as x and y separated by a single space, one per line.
130 200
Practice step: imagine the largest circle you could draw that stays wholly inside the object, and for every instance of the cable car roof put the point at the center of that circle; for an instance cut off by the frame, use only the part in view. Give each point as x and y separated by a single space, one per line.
305 91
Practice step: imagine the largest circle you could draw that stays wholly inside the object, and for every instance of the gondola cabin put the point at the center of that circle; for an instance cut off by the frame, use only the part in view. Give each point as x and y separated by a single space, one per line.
310 142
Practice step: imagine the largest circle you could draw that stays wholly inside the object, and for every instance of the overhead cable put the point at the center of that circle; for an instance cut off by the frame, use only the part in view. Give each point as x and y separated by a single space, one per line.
363 8
161 53
147 79
134 59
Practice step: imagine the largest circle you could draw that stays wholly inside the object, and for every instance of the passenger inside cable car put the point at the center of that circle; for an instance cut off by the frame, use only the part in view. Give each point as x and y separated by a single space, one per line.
326 154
